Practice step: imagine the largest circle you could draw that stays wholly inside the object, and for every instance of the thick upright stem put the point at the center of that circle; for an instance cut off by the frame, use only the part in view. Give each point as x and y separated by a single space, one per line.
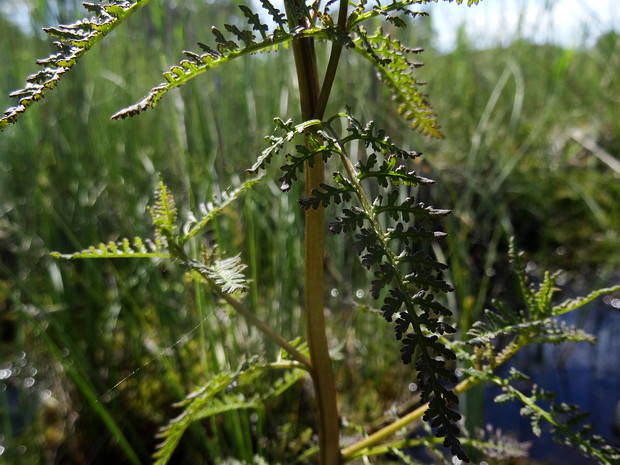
313 103
322 371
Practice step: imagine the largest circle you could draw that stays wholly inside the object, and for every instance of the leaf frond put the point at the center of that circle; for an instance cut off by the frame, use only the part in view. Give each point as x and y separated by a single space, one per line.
567 421
408 275
222 394
230 43
138 248
210 210
164 213
503 331
228 274
395 66
394 12
277 143
73 41
572 304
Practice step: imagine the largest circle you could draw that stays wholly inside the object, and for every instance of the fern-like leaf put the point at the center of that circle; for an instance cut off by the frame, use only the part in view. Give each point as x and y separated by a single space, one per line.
503 331
406 209
328 194
389 171
537 323
278 17
139 248
73 41
390 56
221 394
200 404
567 421
169 240
393 12
572 304
421 321
277 143
546 330
164 213
239 43
296 162
228 274
212 209
372 137
393 62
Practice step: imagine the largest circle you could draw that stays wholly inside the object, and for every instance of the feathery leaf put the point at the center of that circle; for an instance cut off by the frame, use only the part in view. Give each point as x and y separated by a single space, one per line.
74 40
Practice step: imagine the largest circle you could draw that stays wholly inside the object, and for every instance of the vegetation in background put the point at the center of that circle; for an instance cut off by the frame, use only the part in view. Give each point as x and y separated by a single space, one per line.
71 179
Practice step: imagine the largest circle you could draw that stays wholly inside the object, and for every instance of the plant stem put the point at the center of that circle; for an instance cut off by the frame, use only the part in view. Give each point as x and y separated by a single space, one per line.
322 371
245 312
261 325
332 65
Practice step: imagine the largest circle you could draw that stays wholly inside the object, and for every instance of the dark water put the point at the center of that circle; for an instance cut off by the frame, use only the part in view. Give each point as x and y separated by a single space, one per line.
580 373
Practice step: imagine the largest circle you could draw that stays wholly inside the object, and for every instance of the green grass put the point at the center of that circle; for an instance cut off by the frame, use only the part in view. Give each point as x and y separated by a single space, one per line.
70 178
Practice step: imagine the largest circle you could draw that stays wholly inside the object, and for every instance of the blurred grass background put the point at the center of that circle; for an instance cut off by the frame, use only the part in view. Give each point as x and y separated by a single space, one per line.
525 127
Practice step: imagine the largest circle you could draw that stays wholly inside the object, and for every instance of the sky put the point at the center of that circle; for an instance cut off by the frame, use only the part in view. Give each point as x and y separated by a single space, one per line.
570 23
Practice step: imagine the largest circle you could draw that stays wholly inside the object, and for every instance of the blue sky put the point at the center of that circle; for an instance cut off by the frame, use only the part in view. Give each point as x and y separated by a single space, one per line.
565 22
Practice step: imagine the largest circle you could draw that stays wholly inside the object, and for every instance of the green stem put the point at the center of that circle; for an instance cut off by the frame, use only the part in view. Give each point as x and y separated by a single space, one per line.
322 370
195 267
261 325
332 65
245 312
322 373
